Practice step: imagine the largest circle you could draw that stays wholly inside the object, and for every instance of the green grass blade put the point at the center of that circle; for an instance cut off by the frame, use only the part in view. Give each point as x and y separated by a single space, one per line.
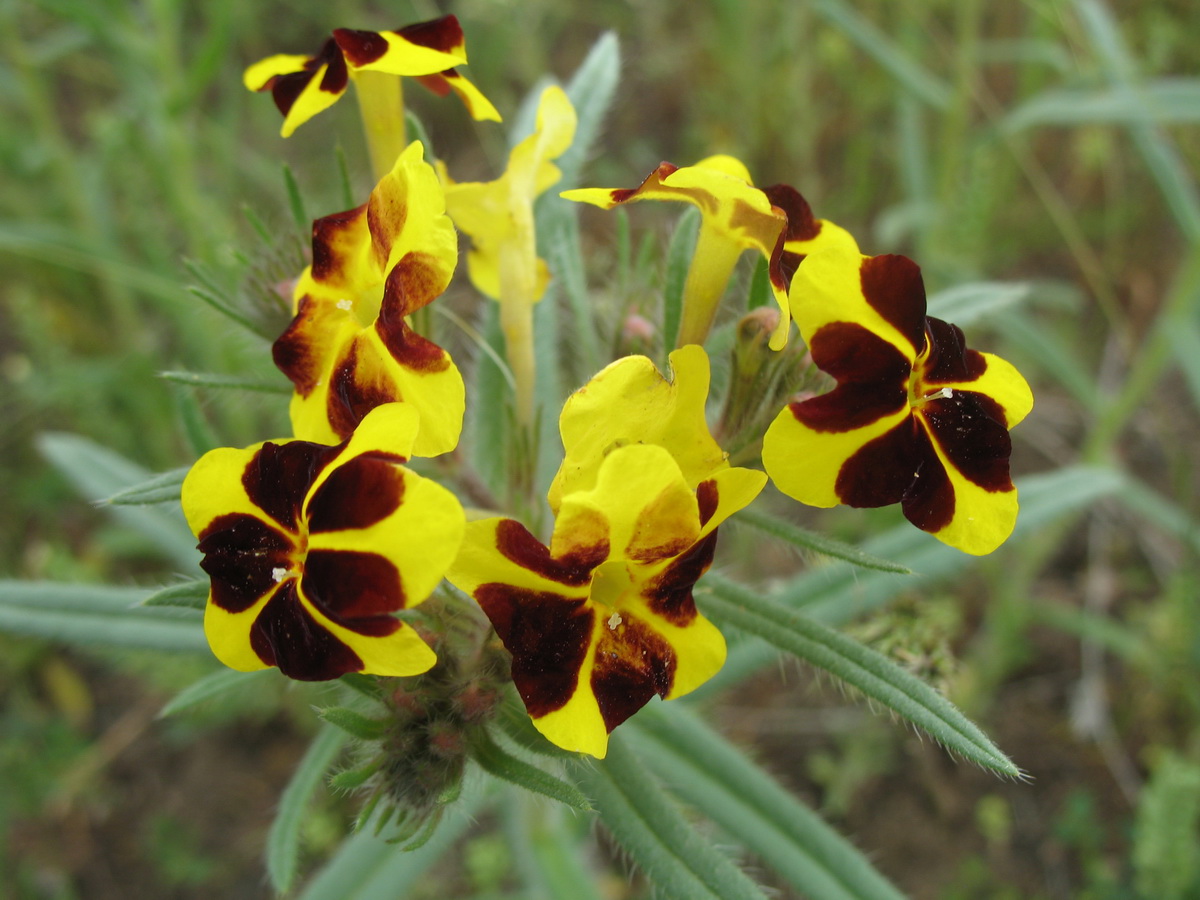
907 71
679 258
283 840
753 808
210 686
876 676
1165 101
812 540
1185 342
226 382
91 615
98 473
653 831
162 488
968 303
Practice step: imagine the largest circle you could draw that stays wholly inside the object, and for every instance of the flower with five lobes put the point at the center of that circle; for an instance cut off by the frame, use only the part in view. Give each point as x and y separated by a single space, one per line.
310 549
303 86
349 348
603 619
776 221
916 417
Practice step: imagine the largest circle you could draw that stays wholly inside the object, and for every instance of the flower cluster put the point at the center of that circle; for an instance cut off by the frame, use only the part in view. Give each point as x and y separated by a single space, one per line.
318 544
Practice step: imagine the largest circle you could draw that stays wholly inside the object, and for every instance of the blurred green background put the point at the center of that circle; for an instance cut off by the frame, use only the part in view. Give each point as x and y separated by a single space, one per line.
1050 146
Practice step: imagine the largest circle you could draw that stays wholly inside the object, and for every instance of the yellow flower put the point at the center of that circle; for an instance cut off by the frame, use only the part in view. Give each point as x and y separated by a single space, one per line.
303 86
736 216
916 418
349 348
310 550
603 619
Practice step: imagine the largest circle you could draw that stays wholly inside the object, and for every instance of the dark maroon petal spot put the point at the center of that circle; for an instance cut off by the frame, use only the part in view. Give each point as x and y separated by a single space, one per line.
849 406
708 497
515 543
949 359
633 663
971 430
893 287
437 83
360 47
357 494
620 195
784 264
548 636
326 237
872 379
882 470
241 554
801 224
350 398
285 635
929 502
294 353
444 34
415 281
669 593
278 477
386 217
354 589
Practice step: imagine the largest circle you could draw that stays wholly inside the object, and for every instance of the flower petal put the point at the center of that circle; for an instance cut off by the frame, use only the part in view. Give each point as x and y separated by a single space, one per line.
420 49
628 402
479 106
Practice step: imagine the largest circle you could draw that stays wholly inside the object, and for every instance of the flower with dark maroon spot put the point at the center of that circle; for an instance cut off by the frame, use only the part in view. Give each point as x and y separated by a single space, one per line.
310 549
736 216
349 347
603 619
916 417
303 86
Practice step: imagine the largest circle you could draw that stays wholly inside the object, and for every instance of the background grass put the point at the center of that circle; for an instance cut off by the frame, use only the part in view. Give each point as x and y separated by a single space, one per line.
1049 144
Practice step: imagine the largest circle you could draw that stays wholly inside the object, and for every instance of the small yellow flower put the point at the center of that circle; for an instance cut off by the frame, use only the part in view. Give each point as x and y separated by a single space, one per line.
303 86
916 417
349 347
311 549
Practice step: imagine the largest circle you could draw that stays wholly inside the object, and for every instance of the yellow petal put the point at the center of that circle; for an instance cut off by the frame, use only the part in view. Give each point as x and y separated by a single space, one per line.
256 76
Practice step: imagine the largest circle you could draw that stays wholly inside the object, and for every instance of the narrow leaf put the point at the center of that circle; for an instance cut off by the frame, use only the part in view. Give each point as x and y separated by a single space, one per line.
354 723
162 488
188 594
497 761
296 201
1165 101
283 840
811 540
679 259
873 674
367 685
653 830
754 809
591 91
965 304
212 685
226 382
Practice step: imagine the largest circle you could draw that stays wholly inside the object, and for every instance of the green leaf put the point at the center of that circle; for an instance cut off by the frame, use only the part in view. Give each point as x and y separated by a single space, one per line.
90 615
857 665
98 473
210 686
754 809
283 840
679 260
556 857
226 382
812 540
296 201
352 779
367 685
1138 497
967 303
497 761
367 867
653 831
591 91
188 594
161 488
354 723
1165 101
760 286
1185 341
564 255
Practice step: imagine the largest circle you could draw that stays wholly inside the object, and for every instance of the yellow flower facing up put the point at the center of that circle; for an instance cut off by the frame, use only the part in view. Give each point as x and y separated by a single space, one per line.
630 402
603 619
303 86
349 347
917 418
498 216
736 216
310 550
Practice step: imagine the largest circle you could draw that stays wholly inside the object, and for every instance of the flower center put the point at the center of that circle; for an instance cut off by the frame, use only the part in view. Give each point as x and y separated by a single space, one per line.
919 392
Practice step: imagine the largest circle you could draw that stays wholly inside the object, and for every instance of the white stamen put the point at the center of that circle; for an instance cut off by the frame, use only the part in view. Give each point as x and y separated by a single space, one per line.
278 574
613 621
347 305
